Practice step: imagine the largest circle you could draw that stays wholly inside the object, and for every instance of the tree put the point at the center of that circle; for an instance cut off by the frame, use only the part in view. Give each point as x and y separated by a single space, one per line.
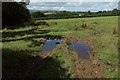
37 14
89 12
14 14
115 12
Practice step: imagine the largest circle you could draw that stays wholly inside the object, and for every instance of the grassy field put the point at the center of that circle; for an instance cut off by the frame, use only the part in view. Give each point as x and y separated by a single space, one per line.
22 57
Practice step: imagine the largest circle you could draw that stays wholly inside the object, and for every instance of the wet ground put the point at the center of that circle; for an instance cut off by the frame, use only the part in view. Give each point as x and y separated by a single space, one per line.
50 45
81 48
86 63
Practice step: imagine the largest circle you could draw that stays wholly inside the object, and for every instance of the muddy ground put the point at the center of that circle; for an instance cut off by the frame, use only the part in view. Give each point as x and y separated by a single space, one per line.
86 68
46 66
82 68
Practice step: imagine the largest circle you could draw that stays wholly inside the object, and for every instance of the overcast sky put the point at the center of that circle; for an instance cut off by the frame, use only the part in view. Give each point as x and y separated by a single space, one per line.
74 0
69 5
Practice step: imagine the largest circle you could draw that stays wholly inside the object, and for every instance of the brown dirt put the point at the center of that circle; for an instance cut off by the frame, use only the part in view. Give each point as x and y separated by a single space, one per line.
83 68
86 68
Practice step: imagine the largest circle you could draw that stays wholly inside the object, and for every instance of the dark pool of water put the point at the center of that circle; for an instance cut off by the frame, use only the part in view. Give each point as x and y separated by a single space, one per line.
82 49
50 45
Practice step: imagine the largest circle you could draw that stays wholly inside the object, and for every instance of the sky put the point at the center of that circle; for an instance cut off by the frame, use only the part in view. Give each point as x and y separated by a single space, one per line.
77 5
74 0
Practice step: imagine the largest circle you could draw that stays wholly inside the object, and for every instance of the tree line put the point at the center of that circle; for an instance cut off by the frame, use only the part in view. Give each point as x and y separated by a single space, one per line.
68 14
16 14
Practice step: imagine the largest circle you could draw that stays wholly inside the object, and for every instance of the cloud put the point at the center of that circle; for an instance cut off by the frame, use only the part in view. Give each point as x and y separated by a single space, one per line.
73 6
74 0
44 0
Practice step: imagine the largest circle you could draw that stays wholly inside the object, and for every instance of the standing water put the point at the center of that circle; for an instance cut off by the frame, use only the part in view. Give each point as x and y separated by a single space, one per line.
82 49
50 45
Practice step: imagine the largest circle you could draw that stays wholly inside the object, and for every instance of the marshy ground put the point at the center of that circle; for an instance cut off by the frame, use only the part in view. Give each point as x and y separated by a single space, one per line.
22 57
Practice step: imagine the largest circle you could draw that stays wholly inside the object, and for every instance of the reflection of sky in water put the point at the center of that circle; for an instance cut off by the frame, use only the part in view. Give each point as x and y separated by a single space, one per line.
50 45
82 49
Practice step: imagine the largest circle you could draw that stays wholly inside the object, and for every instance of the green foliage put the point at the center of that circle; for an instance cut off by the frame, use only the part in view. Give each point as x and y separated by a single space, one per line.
67 14
14 14
56 15
37 14
63 14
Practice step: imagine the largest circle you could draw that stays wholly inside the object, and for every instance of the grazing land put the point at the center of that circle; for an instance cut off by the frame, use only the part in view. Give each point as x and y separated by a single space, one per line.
22 57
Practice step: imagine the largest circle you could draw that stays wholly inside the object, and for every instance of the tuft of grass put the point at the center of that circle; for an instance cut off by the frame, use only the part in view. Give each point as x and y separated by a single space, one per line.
61 54
84 24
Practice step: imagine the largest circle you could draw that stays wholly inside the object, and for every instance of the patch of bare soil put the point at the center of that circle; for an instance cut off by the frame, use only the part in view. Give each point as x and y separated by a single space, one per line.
82 68
86 68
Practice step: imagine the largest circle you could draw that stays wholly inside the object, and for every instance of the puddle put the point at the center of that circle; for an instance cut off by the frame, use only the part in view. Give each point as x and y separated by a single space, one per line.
50 45
82 49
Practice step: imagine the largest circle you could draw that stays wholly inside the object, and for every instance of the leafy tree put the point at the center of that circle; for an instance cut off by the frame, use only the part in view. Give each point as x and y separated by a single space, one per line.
89 12
115 11
14 14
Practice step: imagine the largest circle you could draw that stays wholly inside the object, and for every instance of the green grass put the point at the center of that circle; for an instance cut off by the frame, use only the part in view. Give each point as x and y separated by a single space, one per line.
100 30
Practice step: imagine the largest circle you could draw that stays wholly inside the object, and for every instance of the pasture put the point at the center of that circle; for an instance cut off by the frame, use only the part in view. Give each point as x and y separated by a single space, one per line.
22 57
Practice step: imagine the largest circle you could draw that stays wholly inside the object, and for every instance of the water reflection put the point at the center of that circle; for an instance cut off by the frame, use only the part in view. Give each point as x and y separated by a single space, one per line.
50 45
81 48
